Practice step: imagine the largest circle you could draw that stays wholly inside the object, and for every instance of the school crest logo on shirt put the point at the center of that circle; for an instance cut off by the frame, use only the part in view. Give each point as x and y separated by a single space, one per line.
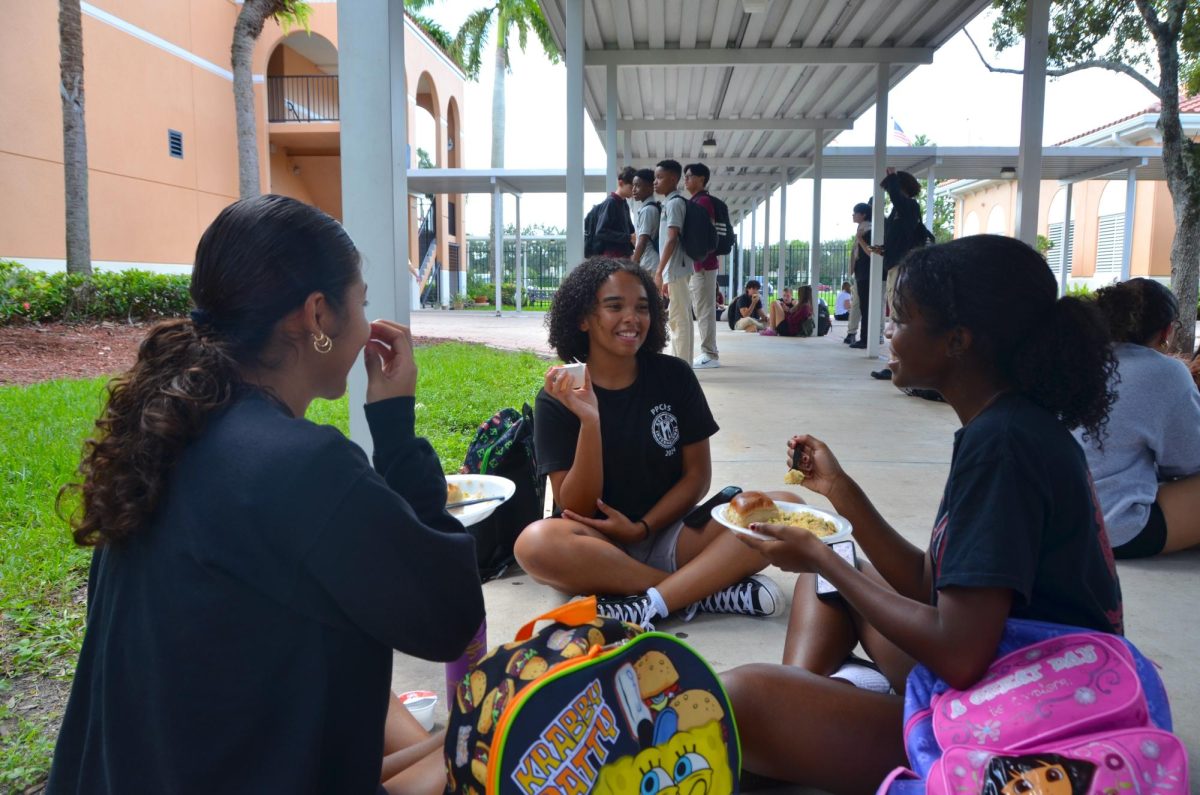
664 427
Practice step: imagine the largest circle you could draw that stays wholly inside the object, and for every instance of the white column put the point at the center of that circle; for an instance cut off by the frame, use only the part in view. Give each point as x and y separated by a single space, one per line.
814 248
610 123
374 136
518 258
930 197
767 250
875 308
497 240
1064 270
574 11
1033 102
753 243
781 265
1130 205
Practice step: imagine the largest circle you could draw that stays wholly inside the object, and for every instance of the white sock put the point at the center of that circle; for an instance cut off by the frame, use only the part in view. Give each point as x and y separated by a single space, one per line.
656 601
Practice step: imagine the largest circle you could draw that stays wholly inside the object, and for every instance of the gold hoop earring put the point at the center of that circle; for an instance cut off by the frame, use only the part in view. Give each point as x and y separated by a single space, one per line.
322 343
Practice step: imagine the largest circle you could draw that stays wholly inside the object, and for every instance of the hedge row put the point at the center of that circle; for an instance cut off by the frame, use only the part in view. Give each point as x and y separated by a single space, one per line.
28 296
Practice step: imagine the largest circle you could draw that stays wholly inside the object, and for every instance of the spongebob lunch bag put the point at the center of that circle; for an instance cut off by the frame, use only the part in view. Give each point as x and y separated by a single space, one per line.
591 705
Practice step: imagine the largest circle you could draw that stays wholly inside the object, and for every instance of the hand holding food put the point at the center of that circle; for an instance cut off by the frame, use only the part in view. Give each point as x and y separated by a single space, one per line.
813 459
391 368
560 384
753 508
790 548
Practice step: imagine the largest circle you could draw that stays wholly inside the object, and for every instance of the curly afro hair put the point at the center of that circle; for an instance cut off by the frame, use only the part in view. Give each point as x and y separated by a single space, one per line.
1137 310
1054 350
576 299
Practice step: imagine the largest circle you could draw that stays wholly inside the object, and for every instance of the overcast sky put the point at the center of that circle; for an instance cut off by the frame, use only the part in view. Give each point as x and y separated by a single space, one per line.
955 101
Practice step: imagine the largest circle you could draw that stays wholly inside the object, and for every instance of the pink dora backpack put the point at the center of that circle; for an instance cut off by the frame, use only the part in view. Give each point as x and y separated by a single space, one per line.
1062 710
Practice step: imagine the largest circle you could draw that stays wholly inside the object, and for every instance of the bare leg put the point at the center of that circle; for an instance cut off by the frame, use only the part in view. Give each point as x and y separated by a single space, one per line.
575 559
777 313
800 727
710 559
820 633
412 762
1180 503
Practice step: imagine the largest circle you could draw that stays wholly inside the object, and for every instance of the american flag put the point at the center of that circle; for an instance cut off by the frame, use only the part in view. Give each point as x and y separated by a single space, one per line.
899 135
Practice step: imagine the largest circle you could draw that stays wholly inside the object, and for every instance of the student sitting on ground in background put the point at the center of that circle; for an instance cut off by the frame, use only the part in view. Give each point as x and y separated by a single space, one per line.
746 313
628 458
841 305
1147 471
253 572
791 318
1018 533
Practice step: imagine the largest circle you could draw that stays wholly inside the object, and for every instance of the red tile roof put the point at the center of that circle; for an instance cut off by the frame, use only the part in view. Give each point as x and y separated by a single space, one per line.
1186 105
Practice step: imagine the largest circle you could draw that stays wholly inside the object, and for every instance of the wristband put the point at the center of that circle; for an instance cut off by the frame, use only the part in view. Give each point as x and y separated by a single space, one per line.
643 523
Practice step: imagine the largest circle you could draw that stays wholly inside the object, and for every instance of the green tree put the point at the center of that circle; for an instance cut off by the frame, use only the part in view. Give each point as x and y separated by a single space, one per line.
502 20
1135 39
246 30
75 162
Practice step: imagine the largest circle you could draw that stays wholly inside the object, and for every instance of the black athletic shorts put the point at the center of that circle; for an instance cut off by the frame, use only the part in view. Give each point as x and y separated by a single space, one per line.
1148 543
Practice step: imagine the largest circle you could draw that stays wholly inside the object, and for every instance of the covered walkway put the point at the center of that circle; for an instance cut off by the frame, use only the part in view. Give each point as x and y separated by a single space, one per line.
897 447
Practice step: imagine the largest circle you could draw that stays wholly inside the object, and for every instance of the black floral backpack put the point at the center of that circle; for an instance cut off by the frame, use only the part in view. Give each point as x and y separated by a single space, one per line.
503 446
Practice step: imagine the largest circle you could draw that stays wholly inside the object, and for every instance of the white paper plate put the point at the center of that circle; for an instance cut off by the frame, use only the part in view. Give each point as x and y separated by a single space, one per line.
840 522
474 486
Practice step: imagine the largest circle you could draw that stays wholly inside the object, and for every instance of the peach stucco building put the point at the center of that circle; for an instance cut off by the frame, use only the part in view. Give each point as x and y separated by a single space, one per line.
1097 207
162 149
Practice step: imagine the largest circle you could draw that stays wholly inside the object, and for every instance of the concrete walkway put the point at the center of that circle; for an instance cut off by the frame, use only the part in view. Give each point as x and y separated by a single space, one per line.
897 447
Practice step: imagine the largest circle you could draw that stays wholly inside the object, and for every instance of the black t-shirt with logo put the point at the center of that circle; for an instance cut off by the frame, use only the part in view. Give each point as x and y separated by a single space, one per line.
1019 511
643 430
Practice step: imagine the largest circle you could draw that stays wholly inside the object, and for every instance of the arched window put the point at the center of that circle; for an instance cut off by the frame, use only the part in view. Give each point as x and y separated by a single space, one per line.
1110 230
997 221
971 224
1054 231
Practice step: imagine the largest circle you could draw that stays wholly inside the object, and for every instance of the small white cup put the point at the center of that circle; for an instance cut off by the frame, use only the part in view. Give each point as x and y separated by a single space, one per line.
576 372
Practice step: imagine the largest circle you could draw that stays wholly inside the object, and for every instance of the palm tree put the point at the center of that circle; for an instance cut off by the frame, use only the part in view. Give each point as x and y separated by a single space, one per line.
503 18
246 30
75 163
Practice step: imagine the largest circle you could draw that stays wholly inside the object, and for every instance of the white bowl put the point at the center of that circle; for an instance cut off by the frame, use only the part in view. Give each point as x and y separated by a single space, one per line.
475 486
420 703
840 522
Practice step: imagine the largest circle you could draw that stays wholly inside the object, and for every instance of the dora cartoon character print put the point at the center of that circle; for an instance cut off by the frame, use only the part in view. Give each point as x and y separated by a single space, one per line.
684 746
1040 774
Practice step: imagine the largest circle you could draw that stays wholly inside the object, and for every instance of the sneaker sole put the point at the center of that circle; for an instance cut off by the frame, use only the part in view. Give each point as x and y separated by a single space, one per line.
773 592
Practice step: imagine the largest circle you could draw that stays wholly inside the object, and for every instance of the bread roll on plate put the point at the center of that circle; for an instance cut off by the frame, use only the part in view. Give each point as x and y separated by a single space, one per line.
751 506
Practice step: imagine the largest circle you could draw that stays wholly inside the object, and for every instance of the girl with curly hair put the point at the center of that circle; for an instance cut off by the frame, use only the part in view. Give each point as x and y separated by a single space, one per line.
628 458
1018 533
1147 472
252 572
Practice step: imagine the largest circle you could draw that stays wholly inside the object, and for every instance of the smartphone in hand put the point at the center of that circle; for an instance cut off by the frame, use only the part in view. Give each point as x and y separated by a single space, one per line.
845 550
703 512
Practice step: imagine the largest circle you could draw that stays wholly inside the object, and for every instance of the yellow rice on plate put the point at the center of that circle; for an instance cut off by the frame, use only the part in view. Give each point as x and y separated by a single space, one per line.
814 524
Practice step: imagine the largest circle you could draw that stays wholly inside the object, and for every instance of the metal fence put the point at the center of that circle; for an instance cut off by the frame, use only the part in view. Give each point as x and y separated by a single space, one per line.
836 266
302 98
545 267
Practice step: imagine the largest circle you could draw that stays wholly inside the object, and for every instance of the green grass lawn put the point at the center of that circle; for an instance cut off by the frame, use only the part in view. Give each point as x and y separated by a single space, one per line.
42 428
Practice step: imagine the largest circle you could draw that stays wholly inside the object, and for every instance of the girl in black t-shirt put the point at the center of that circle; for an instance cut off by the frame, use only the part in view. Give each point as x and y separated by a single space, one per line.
1018 532
628 458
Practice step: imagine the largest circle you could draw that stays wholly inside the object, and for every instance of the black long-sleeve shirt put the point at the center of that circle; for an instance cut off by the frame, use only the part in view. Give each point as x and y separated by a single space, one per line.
242 642
900 230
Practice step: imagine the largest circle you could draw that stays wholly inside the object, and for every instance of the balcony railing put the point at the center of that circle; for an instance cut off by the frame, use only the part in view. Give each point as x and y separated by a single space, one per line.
302 98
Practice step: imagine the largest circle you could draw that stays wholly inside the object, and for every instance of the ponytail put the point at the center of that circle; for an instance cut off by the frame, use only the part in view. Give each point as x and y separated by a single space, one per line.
153 411
259 261
1137 310
1066 365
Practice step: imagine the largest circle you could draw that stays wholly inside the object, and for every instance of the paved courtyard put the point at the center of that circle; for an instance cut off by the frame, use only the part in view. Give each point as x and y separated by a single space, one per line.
897 447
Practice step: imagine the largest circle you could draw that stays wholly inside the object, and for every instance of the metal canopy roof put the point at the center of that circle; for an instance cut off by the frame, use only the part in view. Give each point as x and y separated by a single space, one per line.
1064 163
760 84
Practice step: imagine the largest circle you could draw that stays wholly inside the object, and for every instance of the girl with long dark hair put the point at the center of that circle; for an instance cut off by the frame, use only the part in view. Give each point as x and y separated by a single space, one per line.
252 572
1017 534
1147 471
